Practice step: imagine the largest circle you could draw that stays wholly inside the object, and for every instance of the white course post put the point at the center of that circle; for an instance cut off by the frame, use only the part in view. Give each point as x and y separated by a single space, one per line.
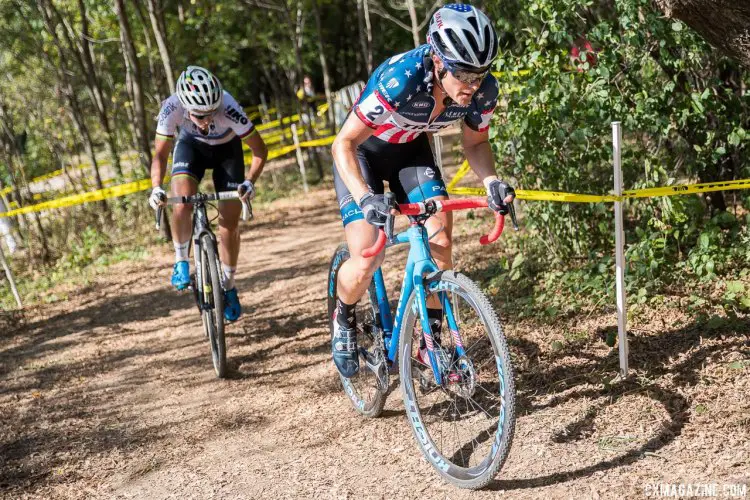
300 159
437 141
9 275
622 331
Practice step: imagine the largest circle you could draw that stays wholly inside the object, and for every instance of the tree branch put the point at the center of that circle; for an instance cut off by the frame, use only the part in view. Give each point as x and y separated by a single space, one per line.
264 5
428 16
378 9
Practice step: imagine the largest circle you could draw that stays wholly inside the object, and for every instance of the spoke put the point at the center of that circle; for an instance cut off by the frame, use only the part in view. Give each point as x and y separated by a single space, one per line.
479 342
474 441
458 442
493 396
474 403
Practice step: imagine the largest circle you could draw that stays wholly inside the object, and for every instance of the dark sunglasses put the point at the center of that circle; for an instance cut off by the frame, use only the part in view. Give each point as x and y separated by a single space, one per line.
469 77
199 117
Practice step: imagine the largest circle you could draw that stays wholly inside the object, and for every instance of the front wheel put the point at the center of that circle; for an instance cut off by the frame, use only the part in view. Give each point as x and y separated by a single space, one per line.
362 389
213 304
464 425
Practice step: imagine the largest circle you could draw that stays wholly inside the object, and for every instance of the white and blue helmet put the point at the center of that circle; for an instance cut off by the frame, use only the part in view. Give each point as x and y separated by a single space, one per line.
463 37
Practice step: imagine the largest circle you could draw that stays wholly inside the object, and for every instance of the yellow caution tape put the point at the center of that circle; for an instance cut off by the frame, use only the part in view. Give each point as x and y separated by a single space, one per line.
275 153
79 199
705 187
530 195
462 170
132 187
318 142
276 123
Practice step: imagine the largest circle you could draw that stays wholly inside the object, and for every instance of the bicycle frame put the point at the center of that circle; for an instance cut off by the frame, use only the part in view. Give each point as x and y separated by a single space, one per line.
419 263
201 226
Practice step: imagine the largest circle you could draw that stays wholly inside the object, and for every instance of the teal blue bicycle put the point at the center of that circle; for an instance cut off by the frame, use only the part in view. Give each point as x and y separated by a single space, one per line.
457 385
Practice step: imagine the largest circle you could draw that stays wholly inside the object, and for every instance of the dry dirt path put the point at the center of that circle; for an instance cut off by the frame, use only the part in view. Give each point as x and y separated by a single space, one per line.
111 394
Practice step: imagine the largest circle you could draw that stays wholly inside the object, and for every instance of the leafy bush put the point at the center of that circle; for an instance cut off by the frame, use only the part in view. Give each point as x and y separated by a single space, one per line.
685 119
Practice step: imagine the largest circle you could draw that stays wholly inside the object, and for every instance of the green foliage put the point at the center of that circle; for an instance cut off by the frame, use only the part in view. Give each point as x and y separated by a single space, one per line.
684 119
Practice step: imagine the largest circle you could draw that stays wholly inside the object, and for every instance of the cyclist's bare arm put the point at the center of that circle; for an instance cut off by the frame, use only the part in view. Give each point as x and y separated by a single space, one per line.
344 150
479 154
260 153
159 163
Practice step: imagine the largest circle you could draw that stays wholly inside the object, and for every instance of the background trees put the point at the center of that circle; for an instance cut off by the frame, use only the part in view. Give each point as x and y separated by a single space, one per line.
83 81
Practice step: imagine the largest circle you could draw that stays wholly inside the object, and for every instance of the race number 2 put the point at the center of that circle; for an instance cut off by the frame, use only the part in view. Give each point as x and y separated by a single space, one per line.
376 111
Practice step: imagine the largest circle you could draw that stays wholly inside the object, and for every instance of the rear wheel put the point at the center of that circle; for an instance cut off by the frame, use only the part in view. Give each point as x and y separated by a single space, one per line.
363 388
213 299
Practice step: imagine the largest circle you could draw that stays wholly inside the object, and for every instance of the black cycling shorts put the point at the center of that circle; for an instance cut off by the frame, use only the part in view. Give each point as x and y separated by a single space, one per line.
192 157
409 169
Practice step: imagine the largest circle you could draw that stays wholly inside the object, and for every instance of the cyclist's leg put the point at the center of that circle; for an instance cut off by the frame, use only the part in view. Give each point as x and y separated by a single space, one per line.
228 175
188 168
419 179
355 274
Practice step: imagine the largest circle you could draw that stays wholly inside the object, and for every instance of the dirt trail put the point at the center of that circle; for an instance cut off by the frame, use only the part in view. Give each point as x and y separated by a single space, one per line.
111 394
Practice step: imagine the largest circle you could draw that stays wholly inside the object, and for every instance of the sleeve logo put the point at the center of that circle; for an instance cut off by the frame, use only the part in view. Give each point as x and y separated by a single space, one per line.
392 83
235 115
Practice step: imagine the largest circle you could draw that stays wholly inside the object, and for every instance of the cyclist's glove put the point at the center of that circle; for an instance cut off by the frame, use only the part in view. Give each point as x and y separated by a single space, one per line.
246 190
157 198
497 192
375 209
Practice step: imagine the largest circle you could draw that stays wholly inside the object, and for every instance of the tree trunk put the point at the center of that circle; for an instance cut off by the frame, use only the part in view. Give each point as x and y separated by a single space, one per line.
97 90
156 17
129 53
296 26
152 76
723 23
414 21
362 31
323 62
129 109
77 116
73 105
81 54
368 30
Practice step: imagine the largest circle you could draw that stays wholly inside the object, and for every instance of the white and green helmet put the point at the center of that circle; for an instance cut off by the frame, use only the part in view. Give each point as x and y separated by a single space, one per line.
199 90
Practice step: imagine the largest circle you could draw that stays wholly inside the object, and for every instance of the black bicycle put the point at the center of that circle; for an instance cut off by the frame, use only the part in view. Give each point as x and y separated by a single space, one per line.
206 281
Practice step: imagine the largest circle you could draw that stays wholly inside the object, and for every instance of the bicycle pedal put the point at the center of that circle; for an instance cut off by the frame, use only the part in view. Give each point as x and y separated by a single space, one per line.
377 365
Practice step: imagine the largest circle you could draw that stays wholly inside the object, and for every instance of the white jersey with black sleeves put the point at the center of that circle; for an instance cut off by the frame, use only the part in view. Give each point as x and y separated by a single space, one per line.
228 121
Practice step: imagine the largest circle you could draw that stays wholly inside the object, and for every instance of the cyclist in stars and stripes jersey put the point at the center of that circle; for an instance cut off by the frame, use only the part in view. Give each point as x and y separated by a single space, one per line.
384 139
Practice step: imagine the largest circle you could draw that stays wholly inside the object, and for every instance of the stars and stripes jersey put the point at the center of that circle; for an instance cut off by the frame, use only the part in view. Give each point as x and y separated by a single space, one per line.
396 104
228 121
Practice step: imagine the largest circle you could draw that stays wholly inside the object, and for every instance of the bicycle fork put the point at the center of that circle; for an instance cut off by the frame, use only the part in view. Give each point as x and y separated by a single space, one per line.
440 368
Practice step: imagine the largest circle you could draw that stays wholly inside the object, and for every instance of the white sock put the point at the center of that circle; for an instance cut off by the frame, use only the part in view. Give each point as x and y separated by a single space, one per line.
181 251
228 276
